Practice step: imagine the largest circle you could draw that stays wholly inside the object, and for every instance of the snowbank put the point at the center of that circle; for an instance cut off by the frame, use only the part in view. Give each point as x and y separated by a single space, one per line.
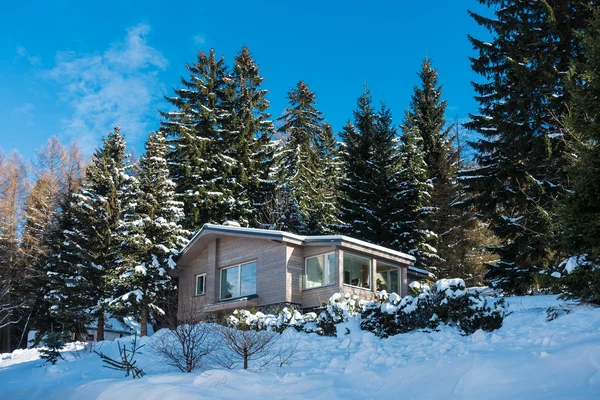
528 358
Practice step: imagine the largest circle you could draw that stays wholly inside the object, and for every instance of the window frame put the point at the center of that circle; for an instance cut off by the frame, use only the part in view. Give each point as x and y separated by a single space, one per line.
392 266
239 266
203 284
319 255
371 259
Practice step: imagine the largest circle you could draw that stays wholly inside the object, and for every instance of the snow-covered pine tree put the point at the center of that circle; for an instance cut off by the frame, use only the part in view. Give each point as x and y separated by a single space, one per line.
368 192
65 298
325 217
297 161
195 130
521 153
414 196
427 115
246 143
151 235
94 230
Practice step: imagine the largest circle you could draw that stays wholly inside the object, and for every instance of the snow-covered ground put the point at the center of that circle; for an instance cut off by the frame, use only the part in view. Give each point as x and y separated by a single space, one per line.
528 358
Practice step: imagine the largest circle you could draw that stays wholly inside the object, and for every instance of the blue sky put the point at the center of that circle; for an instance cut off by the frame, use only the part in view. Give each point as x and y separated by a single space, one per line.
74 69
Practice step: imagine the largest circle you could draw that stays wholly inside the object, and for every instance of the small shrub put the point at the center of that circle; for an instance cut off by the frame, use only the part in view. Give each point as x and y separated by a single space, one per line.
54 342
242 345
127 362
189 344
554 312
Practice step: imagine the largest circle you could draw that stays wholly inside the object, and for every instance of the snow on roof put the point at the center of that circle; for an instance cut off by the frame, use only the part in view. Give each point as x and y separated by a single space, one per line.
299 238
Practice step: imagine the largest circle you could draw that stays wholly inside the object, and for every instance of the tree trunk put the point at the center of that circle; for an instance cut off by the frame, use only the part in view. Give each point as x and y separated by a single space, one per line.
144 320
100 334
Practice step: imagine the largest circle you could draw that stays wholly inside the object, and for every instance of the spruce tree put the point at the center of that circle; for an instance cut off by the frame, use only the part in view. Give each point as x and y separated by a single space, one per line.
414 198
201 108
427 116
151 236
65 301
91 241
580 211
521 153
368 192
246 143
298 161
325 216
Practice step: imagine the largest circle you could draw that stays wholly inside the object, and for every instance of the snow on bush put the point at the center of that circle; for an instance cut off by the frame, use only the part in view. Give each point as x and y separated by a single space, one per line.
448 302
577 277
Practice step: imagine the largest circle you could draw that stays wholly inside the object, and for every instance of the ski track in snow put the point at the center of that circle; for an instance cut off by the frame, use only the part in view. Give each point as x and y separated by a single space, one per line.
528 358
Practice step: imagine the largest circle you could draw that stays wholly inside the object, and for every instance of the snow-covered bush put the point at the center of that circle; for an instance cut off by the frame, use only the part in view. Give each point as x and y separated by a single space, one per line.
285 318
578 278
448 302
337 310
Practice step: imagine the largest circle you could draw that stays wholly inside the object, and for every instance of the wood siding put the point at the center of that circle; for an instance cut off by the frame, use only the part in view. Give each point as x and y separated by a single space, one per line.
279 271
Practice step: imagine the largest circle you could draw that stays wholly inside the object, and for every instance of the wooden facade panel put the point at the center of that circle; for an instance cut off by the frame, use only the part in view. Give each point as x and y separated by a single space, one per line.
270 259
279 270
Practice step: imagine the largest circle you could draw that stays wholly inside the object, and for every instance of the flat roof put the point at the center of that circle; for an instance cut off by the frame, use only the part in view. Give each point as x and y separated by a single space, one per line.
287 236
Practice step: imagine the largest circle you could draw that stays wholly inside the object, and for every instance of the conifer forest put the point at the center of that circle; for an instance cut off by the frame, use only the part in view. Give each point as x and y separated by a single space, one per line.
509 199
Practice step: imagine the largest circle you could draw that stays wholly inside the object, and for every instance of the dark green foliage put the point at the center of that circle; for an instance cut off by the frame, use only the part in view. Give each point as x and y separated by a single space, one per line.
127 360
414 199
521 153
150 236
426 116
86 249
450 304
368 200
577 277
201 110
54 341
220 135
306 172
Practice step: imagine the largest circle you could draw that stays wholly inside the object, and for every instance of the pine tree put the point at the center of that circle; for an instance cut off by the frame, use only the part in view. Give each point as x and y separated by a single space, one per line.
427 116
151 237
202 106
325 216
65 302
368 192
221 135
91 242
414 197
580 211
298 161
521 153
246 143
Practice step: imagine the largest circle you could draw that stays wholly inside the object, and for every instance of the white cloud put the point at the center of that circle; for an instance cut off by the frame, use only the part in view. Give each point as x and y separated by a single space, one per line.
116 87
199 40
23 53
24 113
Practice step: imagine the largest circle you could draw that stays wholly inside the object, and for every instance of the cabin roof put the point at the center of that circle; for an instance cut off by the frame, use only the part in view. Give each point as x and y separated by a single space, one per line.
294 239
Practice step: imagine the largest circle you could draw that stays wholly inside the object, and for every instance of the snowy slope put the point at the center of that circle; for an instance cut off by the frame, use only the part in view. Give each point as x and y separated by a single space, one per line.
528 358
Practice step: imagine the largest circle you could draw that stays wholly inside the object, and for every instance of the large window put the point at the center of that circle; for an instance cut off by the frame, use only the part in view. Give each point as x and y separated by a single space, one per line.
387 278
357 271
319 271
200 284
238 281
